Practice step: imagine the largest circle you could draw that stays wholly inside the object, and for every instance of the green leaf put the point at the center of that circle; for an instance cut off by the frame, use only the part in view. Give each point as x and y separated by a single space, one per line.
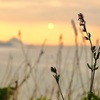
93 48
89 66
96 68
57 77
98 55
86 38
95 55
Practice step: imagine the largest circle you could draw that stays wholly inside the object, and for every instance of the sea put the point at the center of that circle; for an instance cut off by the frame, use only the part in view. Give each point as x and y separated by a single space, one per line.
31 66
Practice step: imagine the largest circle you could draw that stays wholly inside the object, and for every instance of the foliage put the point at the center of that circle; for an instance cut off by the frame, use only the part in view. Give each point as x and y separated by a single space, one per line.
42 98
92 95
6 93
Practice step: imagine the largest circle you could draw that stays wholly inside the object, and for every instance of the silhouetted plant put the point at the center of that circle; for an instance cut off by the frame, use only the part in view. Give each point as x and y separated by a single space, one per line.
57 77
95 53
7 93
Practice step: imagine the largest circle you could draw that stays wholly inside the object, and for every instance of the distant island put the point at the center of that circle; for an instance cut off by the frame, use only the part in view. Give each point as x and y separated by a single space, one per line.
12 42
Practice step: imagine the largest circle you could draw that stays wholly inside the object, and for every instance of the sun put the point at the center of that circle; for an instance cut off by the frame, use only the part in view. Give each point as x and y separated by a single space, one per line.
50 25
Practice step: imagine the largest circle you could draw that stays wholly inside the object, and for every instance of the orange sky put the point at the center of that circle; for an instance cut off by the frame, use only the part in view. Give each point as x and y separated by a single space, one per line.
36 33
33 17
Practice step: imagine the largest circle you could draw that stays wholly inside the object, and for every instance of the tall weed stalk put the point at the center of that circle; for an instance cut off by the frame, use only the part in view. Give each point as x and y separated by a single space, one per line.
94 51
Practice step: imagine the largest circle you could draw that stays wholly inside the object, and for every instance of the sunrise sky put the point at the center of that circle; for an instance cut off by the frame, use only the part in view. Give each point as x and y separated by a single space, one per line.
47 19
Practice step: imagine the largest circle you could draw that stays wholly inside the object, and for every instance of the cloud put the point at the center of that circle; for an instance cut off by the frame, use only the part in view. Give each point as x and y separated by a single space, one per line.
44 10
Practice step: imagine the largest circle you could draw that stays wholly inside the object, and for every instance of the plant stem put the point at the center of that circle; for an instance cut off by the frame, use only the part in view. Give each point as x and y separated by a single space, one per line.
60 91
95 55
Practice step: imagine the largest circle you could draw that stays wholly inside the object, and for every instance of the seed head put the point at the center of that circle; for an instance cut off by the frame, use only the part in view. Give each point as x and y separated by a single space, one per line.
53 69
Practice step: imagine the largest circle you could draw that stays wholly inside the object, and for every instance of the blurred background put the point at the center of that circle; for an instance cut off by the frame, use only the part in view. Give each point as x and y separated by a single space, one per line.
38 34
